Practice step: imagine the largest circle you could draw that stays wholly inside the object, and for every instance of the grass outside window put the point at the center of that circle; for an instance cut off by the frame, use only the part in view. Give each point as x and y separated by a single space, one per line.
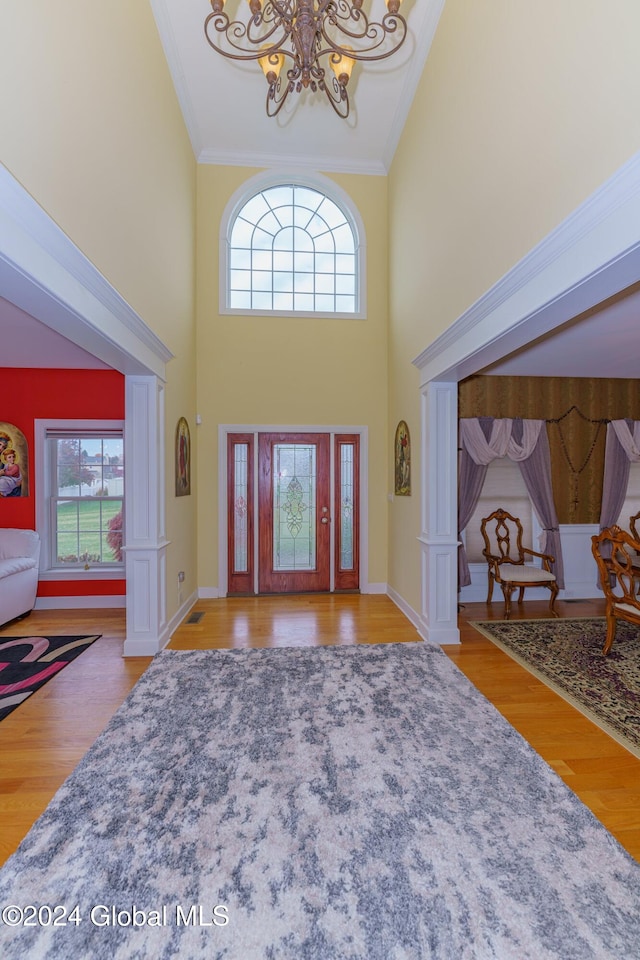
88 531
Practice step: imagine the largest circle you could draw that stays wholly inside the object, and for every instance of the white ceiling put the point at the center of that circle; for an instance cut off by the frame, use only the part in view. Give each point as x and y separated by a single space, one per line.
603 342
223 101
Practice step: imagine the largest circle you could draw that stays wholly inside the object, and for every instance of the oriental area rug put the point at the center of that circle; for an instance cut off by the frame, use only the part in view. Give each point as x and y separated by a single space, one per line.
567 656
26 663
332 803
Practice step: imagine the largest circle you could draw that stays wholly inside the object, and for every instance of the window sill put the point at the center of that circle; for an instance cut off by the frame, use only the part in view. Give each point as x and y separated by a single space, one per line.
75 573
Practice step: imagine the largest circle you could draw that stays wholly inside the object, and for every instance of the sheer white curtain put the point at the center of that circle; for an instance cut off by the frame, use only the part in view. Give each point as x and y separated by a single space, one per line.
483 439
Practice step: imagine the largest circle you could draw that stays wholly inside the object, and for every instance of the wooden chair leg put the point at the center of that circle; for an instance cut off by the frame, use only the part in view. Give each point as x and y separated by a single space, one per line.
554 593
490 593
507 590
611 632
520 594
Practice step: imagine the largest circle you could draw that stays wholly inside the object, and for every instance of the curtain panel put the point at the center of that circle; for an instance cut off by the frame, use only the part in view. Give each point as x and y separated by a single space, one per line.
483 439
622 448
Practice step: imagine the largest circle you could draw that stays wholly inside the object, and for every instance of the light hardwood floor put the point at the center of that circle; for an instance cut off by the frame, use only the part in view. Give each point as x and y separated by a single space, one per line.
44 738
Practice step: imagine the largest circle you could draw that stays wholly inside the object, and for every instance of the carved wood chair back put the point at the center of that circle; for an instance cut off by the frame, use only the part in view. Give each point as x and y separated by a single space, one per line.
507 560
616 553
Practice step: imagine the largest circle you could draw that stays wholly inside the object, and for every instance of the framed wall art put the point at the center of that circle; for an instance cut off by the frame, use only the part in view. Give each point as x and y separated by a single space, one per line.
183 459
14 461
402 460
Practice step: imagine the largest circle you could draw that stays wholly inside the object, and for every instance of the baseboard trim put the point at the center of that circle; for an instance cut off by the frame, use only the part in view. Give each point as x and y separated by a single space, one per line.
408 611
378 588
80 603
148 646
208 593
180 614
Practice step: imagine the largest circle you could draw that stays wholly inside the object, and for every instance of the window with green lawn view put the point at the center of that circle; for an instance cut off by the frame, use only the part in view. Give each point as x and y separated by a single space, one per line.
86 481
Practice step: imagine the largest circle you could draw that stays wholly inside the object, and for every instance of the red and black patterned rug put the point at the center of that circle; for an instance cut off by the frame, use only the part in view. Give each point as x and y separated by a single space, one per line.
26 663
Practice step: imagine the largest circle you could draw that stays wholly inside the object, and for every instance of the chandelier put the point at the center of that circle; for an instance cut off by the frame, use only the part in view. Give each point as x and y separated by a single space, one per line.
307 36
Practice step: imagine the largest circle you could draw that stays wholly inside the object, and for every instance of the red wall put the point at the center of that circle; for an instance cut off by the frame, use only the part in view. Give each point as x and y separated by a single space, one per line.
35 394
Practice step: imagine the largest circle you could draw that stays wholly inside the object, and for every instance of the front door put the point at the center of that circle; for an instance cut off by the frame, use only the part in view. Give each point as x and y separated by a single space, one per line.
302 512
294 538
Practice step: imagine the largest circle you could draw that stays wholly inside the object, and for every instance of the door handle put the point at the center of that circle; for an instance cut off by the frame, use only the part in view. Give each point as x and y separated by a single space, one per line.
324 519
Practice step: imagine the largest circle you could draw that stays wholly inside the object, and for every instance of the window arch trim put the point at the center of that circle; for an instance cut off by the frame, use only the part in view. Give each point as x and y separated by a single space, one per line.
316 181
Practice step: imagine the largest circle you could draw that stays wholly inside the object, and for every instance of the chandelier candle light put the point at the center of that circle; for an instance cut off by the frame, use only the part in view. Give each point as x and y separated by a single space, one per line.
308 35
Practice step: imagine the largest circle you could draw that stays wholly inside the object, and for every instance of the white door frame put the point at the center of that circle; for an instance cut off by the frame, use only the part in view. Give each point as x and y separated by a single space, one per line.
223 432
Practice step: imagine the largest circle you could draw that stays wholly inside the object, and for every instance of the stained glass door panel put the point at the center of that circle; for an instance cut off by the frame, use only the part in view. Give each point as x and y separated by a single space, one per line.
346 511
240 544
295 516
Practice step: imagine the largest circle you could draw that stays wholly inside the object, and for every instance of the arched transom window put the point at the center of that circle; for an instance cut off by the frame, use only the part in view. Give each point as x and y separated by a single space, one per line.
292 249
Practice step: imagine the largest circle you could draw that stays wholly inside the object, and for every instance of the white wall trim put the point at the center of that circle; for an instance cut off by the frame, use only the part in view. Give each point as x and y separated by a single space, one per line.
209 593
413 71
332 163
181 614
98 602
439 511
45 274
374 588
409 612
167 39
145 550
593 254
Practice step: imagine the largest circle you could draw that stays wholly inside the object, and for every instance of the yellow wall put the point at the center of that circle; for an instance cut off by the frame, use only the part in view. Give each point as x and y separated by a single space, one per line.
91 127
290 370
523 110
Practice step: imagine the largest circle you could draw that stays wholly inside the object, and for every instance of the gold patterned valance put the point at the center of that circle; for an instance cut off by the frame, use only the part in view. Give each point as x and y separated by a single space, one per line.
576 410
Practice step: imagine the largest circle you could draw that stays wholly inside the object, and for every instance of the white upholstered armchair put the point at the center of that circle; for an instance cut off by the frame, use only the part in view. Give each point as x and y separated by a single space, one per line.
19 556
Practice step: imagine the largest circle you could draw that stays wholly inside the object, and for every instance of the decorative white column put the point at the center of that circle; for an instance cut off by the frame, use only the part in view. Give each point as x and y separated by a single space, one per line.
439 508
145 540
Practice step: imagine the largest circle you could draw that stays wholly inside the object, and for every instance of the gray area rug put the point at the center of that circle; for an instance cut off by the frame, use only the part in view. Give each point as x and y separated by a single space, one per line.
336 803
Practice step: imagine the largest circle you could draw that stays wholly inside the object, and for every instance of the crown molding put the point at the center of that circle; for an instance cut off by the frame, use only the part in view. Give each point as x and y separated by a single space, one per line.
414 72
45 274
590 256
170 47
329 163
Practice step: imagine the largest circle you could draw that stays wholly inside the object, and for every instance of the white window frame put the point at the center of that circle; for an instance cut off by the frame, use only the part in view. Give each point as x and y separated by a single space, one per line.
315 181
43 494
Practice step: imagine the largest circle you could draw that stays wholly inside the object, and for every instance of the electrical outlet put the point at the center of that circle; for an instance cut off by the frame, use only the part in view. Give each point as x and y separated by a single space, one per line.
181 577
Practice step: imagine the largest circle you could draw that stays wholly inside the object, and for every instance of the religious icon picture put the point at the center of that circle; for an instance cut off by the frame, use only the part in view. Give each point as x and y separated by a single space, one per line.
402 461
183 459
14 462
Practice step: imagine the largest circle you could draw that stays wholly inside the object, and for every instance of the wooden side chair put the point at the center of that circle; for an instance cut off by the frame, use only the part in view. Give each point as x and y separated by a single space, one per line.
633 519
506 556
616 554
